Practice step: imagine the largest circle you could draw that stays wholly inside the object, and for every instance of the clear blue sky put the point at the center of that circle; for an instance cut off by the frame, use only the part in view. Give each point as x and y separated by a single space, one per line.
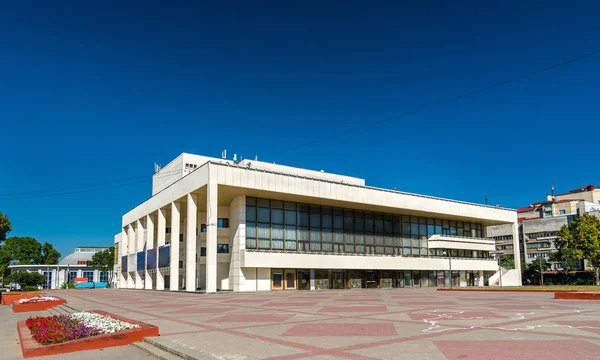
98 93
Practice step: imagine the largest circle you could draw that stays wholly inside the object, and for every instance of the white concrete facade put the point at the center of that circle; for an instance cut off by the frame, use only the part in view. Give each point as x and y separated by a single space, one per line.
201 217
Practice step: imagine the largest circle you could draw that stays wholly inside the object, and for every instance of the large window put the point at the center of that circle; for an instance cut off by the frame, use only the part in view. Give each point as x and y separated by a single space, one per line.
288 226
89 275
104 276
73 275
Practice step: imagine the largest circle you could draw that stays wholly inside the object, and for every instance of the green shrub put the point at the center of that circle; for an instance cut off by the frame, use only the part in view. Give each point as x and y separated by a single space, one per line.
30 288
69 285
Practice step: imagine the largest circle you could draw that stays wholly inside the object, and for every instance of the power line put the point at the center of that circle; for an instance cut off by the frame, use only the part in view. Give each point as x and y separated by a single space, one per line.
83 188
438 104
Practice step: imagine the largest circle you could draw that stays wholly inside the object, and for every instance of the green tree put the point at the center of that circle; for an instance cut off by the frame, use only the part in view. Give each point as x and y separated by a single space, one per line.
582 240
24 251
104 261
565 261
5 227
535 269
26 279
49 254
507 262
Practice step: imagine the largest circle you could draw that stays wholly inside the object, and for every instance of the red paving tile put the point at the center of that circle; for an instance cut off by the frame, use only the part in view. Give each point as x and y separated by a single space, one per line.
425 303
276 318
519 307
585 325
291 304
383 329
518 349
354 309
207 310
467 315
246 301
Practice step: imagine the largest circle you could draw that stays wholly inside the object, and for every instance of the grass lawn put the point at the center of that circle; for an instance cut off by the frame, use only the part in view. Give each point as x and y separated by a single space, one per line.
541 288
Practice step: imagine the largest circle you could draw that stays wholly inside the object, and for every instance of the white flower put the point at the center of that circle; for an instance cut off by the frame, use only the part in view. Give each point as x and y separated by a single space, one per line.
38 299
104 324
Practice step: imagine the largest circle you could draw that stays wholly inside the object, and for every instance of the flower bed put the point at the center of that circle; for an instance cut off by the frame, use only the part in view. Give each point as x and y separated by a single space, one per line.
37 299
60 334
60 328
38 303
12 296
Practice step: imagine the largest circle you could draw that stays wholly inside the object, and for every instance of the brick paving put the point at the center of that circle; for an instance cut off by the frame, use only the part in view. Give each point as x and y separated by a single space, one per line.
361 324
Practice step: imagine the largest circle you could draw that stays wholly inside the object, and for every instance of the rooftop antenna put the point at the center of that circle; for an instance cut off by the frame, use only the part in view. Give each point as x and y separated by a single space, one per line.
486 199
224 154
552 192
156 168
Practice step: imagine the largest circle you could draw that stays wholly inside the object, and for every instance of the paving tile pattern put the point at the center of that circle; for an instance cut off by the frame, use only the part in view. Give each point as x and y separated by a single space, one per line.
361 324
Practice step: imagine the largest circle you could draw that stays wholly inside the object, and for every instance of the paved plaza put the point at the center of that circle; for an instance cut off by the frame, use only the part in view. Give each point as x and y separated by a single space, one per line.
360 324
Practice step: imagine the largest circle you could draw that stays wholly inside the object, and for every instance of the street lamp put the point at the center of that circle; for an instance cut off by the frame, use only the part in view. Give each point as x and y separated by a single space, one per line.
447 252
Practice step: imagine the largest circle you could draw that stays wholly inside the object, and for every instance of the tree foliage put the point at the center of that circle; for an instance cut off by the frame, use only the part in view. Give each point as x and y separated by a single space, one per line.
581 239
26 251
104 261
535 268
26 278
5 227
507 262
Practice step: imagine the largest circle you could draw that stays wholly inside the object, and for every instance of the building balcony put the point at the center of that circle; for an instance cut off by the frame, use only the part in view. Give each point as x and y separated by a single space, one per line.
461 243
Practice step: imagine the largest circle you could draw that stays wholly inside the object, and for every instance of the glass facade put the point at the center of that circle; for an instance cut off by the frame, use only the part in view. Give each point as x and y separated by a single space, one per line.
289 226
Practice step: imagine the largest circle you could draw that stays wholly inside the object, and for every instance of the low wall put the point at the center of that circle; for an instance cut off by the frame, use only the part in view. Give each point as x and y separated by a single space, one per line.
9 298
32 348
38 306
577 295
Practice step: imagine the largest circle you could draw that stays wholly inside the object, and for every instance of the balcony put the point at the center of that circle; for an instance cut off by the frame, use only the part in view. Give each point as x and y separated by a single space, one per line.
461 243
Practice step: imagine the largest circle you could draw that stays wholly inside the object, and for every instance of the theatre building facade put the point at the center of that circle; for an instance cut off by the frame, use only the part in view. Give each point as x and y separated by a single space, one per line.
217 224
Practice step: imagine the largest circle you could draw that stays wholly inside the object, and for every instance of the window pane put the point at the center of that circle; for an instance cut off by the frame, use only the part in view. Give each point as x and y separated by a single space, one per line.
251 229
276 204
315 220
338 222
264 231
327 221
303 234
277 216
277 244
250 213
326 236
264 215
338 236
290 217
277 232
379 225
303 218
359 239
264 244
251 201
290 206
290 233
263 203
250 244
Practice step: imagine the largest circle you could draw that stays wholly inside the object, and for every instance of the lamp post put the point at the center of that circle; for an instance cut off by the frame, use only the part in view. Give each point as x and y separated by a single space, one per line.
447 252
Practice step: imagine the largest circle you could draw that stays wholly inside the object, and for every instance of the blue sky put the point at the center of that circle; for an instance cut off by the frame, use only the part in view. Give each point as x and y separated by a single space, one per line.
96 93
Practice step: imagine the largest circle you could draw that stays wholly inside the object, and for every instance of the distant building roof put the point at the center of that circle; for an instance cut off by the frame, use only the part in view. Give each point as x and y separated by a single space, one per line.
77 258
525 209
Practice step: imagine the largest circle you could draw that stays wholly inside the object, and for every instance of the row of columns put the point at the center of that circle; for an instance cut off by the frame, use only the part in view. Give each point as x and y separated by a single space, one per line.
133 241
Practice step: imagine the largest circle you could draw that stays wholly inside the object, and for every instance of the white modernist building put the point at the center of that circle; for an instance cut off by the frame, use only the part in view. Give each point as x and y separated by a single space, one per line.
216 224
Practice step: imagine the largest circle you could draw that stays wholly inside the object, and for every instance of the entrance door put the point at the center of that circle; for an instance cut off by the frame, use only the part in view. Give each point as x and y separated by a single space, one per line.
372 278
276 279
303 279
290 279
48 280
338 280
440 279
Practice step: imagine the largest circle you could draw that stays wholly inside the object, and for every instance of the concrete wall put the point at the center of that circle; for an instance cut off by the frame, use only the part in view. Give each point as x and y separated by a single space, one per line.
169 174
318 261
546 224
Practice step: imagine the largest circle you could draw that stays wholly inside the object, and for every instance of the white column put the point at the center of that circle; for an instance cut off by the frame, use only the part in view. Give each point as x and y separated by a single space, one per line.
517 250
481 278
131 265
190 241
211 234
312 279
237 237
139 234
160 241
122 252
149 246
174 266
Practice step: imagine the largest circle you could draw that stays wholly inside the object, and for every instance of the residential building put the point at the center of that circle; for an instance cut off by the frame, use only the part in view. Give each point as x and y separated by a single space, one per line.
217 224
540 222
70 267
